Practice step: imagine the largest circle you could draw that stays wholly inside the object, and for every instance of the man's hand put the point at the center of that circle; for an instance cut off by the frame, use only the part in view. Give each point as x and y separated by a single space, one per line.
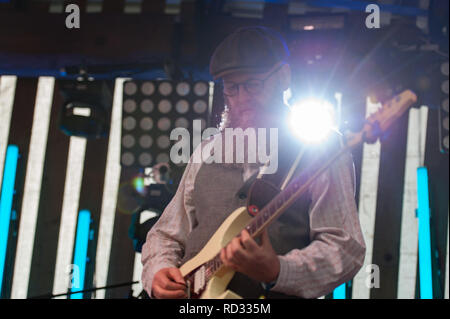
169 283
259 262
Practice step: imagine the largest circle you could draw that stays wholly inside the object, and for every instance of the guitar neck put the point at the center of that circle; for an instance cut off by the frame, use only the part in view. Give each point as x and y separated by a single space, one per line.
281 202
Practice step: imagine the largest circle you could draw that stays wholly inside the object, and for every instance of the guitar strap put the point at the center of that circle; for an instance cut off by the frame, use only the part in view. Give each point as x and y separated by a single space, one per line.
287 163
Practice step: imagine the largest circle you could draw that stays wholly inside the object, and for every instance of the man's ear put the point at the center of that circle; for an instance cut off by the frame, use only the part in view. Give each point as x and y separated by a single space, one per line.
285 76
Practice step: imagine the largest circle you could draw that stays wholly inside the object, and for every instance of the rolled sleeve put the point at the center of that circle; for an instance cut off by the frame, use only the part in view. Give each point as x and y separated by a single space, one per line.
165 242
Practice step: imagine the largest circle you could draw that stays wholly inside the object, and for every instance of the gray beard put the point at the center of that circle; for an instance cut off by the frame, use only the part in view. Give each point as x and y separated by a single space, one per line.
228 120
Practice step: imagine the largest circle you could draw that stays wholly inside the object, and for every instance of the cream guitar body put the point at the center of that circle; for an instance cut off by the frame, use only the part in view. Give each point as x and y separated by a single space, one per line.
230 228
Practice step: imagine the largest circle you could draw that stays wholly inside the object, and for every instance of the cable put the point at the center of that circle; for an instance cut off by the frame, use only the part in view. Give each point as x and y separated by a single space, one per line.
49 296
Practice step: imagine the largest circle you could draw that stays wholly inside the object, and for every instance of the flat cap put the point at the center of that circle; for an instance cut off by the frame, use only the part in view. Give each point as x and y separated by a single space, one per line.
252 49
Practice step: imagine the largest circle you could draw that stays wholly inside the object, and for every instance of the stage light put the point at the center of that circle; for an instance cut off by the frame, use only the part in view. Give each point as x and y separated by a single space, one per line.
423 214
129 106
200 106
163 141
200 88
182 106
164 124
311 119
146 124
130 88
182 122
339 292
145 141
128 141
6 200
162 158
145 159
80 254
151 109
86 107
183 88
147 106
164 106
165 88
147 88
138 183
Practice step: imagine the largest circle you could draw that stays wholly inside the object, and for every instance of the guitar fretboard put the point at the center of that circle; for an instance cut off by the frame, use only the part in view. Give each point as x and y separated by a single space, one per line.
273 207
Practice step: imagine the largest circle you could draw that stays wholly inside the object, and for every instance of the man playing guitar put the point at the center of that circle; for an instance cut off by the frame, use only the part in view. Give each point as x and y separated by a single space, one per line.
314 247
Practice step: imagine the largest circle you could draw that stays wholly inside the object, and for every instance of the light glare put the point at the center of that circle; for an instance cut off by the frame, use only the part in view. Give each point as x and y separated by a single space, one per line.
311 120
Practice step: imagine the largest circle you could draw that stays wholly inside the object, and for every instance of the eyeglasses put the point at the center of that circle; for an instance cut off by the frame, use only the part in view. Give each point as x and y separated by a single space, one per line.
253 86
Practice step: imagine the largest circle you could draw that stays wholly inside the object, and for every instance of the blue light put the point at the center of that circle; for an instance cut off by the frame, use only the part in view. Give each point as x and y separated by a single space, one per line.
6 199
339 292
361 6
426 279
81 248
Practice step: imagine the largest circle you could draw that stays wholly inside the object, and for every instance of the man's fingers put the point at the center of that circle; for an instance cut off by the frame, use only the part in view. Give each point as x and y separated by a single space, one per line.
238 251
265 239
226 260
162 293
175 275
230 254
171 285
248 242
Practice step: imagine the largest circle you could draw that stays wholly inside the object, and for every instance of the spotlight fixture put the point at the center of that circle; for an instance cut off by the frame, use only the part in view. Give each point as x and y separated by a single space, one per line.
151 109
86 107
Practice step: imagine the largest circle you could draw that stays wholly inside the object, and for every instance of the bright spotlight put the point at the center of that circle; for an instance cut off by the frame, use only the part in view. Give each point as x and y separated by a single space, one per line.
311 119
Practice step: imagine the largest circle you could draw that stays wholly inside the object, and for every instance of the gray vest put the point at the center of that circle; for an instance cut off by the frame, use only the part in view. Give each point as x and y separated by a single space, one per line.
216 197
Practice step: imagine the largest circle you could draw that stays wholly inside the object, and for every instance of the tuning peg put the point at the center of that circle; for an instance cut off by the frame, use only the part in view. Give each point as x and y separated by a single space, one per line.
372 132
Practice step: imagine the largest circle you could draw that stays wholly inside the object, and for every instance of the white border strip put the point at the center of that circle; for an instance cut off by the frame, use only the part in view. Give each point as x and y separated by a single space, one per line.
32 188
110 191
7 90
69 213
415 153
367 206
137 271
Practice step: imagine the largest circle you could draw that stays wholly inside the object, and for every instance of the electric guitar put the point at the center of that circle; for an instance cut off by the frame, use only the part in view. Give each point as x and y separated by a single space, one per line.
205 274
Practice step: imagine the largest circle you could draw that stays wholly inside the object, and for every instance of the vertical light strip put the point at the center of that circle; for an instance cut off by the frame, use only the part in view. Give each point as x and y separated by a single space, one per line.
137 271
415 152
80 254
339 292
7 89
423 214
110 189
72 186
6 200
32 187
367 206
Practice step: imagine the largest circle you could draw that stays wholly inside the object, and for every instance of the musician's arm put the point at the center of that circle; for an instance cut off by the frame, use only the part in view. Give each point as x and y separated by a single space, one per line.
164 246
337 248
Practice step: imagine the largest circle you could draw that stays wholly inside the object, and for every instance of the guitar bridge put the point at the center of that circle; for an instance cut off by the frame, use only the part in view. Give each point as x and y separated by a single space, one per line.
188 289
199 279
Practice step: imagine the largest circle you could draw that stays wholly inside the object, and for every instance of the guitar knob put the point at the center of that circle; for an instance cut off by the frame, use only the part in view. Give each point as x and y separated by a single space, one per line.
253 210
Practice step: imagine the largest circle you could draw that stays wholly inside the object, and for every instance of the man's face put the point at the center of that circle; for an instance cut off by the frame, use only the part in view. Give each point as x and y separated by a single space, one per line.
254 109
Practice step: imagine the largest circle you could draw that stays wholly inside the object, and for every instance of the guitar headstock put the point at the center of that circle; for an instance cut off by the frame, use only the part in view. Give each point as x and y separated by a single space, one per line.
379 122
